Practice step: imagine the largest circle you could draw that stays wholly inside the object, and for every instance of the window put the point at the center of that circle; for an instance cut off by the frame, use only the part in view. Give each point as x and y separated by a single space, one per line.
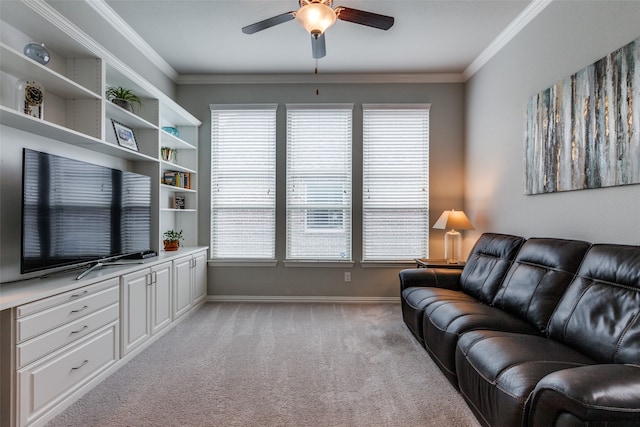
319 182
325 219
395 182
243 181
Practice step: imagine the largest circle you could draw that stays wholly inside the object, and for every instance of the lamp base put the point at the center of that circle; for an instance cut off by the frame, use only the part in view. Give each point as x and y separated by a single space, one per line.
452 245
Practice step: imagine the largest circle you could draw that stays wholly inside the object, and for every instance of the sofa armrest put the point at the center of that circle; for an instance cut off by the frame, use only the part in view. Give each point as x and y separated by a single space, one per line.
598 395
447 278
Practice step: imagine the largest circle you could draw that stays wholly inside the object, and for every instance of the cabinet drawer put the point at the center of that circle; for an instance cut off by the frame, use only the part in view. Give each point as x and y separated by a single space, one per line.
45 384
44 344
43 304
31 326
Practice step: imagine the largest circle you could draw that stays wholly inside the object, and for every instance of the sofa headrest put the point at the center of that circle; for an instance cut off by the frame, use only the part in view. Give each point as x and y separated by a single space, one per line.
538 277
488 263
619 264
557 254
502 246
599 314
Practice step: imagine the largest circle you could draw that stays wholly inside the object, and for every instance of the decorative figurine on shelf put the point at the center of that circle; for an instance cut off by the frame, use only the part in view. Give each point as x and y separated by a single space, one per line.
172 240
37 52
31 98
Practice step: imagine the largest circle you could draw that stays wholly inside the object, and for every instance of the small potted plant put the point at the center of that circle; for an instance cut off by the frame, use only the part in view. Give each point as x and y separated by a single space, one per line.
172 240
123 97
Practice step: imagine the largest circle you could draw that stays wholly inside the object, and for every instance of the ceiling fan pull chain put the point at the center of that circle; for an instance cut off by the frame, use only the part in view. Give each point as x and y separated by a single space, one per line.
316 73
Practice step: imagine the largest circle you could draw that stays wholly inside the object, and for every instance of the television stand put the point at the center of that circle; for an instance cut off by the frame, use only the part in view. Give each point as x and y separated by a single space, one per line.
89 270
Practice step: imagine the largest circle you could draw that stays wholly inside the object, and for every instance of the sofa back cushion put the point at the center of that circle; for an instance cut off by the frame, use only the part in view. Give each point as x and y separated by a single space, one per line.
487 265
538 277
599 314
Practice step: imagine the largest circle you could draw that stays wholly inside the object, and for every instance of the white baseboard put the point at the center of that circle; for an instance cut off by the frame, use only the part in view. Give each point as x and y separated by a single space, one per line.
303 299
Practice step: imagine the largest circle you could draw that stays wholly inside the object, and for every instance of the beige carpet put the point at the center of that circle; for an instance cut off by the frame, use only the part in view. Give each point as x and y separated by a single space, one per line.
278 365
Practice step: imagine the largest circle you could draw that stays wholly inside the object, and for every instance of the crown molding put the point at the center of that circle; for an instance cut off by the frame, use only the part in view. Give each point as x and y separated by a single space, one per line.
197 79
120 25
526 16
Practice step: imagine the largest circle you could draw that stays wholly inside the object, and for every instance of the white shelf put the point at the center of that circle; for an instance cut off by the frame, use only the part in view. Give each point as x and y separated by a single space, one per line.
174 167
171 141
18 120
177 189
18 65
177 210
126 117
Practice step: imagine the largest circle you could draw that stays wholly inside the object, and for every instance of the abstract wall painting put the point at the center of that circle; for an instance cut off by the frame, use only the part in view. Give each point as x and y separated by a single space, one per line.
584 131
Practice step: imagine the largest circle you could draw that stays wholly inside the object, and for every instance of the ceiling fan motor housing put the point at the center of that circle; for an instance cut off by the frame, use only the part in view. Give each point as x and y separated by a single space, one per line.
306 2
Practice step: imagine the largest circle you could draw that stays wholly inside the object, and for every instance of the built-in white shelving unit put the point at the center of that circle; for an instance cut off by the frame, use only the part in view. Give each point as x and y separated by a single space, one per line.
77 113
121 311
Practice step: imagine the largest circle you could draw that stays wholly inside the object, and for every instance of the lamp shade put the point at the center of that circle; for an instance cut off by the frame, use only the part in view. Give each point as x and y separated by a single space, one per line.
316 18
453 220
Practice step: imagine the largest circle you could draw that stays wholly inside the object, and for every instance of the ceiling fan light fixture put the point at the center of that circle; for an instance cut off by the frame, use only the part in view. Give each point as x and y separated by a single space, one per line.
316 18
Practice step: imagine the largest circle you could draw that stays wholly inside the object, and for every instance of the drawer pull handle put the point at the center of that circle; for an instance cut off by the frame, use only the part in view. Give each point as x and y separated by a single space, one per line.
79 295
80 330
80 309
80 366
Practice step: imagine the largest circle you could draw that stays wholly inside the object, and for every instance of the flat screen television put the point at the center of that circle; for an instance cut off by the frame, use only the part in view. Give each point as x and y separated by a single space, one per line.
78 213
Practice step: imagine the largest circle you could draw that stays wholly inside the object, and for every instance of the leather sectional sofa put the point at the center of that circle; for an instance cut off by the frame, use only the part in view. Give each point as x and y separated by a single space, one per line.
537 332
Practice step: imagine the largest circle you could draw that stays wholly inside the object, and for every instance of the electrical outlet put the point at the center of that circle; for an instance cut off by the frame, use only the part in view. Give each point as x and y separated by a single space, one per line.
347 276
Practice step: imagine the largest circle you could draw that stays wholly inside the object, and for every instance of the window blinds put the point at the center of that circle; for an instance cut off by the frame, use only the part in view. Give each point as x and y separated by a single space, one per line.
395 182
243 181
319 182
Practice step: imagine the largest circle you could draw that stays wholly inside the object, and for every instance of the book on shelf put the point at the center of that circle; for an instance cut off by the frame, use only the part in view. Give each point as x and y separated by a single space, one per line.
178 201
169 154
177 179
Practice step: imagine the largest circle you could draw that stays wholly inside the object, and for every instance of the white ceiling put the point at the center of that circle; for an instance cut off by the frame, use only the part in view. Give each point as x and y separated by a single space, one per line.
429 36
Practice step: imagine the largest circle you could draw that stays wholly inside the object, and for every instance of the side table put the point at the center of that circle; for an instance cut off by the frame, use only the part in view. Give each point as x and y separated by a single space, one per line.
437 263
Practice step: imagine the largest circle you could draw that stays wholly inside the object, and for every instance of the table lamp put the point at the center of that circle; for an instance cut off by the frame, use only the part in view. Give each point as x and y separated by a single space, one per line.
453 220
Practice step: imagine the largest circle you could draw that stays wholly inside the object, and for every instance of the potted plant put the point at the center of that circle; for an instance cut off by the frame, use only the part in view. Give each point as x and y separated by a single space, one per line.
172 240
123 97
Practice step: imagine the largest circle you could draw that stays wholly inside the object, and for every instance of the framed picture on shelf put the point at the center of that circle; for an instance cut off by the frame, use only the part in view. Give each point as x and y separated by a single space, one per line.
178 201
125 136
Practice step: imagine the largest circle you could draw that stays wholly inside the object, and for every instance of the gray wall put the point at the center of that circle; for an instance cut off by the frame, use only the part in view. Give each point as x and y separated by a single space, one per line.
446 181
564 38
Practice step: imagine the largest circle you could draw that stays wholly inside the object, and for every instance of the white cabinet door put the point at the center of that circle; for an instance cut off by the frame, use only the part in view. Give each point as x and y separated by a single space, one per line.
199 277
135 318
181 286
161 297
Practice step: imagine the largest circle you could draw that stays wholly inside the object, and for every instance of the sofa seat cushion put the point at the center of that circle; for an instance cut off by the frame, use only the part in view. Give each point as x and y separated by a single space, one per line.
603 394
446 318
415 300
498 371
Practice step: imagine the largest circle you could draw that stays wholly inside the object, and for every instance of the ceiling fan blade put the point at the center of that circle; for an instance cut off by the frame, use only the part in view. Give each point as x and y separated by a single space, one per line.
318 47
361 17
268 23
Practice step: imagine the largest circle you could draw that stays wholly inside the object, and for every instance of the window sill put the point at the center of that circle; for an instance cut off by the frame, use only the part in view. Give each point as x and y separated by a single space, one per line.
318 263
387 264
242 262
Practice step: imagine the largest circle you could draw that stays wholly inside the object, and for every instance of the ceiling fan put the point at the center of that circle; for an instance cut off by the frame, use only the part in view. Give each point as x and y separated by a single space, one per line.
317 15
